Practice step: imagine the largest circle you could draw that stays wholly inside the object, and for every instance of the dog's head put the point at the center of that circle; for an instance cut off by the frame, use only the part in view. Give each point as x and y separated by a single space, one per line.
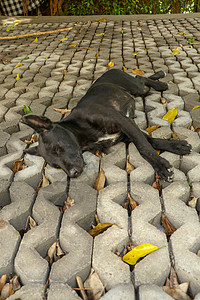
57 145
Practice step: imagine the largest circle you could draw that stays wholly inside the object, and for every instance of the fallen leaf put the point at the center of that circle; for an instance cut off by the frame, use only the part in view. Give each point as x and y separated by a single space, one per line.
2 281
62 110
100 181
32 140
129 203
6 291
45 181
195 107
27 110
51 252
73 45
97 54
124 68
5 61
150 129
55 253
8 28
32 223
110 64
18 165
197 129
175 136
193 202
170 115
81 287
99 34
139 28
135 53
198 253
137 71
190 41
163 101
18 65
171 82
25 58
139 251
100 228
68 203
35 40
181 33
17 77
176 51
129 166
63 39
156 184
101 20
169 229
94 286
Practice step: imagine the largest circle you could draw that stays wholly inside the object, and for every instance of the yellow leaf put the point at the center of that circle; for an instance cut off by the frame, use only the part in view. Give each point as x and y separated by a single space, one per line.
176 51
137 71
170 115
137 252
99 34
158 151
181 33
100 228
64 39
150 129
129 166
195 107
110 64
17 21
17 77
100 181
45 181
135 53
18 65
139 28
2 281
62 110
73 45
35 41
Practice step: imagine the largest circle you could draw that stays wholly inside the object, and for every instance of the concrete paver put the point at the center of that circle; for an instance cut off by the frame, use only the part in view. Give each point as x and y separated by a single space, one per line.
55 74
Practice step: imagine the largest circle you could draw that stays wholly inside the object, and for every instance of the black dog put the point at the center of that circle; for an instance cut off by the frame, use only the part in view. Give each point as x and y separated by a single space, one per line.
103 117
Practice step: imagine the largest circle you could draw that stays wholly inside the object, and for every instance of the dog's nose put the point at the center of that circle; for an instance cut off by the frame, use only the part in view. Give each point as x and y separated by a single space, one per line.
73 173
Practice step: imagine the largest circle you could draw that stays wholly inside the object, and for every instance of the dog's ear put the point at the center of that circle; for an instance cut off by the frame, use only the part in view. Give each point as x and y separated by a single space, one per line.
38 123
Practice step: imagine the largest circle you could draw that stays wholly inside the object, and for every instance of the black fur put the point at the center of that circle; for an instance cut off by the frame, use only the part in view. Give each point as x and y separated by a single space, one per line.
106 111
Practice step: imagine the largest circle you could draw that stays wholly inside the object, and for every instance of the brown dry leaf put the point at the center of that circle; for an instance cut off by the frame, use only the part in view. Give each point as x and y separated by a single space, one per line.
45 181
15 283
156 184
175 136
110 64
137 71
94 286
124 68
139 28
169 229
158 151
2 281
100 181
55 252
129 166
133 204
81 287
174 289
32 140
32 223
18 165
163 100
7 291
100 228
97 54
68 203
62 110
51 252
197 129
150 129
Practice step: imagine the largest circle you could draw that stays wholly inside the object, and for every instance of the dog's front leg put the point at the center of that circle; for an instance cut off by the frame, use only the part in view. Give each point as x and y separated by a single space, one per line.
160 165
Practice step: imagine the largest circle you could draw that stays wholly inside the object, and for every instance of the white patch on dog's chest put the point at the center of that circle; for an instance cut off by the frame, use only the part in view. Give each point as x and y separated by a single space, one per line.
107 137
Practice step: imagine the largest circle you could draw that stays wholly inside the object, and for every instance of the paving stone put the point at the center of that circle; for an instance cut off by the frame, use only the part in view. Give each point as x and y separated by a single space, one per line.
9 241
152 291
190 136
155 110
6 164
114 163
74 238
29 262
34 291
185 244
110 268
120 292
183 119
153 268
191 101
15 142
17 211
61 291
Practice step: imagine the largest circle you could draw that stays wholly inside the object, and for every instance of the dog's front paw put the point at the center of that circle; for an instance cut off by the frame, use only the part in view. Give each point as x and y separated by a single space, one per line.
181 147
164 169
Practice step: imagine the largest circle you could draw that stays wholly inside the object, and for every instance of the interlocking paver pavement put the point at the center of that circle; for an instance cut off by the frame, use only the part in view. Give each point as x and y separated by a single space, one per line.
56 73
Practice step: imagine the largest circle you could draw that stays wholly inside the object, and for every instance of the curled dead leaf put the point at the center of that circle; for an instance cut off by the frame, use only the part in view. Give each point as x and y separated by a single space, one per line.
110 64
94 286
100 181
150 129
62 110
18 165
32 140
68 203
81 287
163 101
100 228
192 202
129 166
176 51
175 136
169 229
2 281
137 71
